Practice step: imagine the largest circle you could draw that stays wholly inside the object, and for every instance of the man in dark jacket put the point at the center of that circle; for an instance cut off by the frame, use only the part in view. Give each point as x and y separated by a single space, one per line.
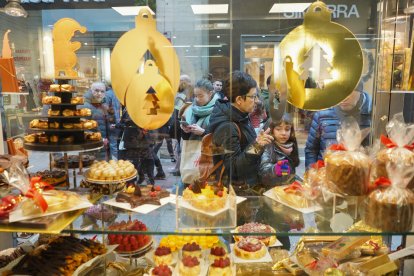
242 157
325 123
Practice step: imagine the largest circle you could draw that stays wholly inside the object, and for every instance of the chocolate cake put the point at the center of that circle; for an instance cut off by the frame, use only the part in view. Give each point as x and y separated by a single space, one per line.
54 177
73 161
390 210
142 195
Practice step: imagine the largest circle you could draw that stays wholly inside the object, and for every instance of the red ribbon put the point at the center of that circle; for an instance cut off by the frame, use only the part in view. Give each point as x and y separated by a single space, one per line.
391 144
375 245
381 182
35 192
292 188
317 165
337 147
312 265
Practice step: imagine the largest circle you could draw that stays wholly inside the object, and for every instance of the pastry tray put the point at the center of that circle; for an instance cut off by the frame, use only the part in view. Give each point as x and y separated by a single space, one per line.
60 92
68 104
97 181
60 129
63 117
90 145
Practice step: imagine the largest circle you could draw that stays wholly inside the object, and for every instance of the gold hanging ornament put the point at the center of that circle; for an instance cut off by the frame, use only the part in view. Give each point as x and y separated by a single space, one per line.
322 60
149 98
128 55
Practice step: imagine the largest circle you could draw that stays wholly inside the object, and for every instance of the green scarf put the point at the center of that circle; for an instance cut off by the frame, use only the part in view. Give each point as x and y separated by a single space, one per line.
200 115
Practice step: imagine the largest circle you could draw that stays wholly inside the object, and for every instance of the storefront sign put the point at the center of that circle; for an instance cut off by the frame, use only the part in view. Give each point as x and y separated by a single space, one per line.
338 11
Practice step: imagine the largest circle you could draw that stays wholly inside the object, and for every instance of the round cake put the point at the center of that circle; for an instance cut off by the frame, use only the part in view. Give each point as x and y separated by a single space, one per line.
390 210
255 227
189 266
220 267
163 255
392 155
206 197
348 172
192 250
161 270
73 161
217 253
54 177
250 249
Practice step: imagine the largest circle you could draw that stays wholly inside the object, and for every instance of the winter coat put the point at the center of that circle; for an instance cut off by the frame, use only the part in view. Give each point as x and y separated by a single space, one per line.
325 124
243 158
271 155
99 113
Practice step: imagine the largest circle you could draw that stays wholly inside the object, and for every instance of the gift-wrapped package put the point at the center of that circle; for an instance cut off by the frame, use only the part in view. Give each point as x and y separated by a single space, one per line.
347 166
391 208
398 147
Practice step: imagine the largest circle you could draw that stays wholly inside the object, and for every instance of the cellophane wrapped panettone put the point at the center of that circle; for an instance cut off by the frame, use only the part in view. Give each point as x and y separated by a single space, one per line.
347 166
391 209
398 147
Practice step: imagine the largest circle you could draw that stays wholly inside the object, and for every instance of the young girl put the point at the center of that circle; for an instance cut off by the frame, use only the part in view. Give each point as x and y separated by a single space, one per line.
280 158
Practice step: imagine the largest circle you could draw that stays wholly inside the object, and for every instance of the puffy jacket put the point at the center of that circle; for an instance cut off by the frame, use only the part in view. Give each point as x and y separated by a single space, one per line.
271 155
243 158
325 124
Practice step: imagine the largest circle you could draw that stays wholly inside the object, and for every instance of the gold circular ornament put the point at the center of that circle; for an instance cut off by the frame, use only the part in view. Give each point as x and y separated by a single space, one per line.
132 49
149 98
323 61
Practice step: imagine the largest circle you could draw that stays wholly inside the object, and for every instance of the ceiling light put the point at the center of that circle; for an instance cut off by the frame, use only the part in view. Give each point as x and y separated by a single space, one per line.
131 10
208 46
210 9
86 43
13 8
291 7
218 36
254 47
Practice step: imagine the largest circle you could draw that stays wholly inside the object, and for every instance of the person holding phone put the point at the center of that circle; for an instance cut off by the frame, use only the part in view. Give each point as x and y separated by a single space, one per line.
196 118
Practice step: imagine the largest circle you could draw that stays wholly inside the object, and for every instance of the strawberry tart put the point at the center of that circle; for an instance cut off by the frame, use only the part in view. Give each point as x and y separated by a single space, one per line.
255 227
161 270
189 266
220 267
250 249
217 253
163 255
192 250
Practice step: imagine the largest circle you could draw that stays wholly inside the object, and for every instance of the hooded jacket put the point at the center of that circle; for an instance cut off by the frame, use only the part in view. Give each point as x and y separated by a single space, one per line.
325 124
242 159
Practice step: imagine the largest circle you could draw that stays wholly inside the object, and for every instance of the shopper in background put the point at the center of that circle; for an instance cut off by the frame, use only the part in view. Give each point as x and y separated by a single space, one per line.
264 95
258 117
280 158
114 109
185 92
218 87
138 144
242 160
159 135
325 123
94 100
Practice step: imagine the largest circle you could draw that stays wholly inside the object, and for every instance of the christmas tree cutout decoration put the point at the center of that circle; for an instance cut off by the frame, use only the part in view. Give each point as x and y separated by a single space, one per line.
316 68
151 102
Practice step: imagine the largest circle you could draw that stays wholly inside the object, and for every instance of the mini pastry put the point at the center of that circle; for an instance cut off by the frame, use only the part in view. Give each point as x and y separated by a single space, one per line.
217 253
66 88
89 124
34 123
68 112
54 138
250 249
51 100
220 267
78 125
83 112
163 255
93 136
31 138
189 266
54 125
54 88
161 270
68 125
43 139
51 112
77 100
192 250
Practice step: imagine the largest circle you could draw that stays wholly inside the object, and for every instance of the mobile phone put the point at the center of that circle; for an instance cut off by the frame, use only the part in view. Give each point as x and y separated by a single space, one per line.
184 123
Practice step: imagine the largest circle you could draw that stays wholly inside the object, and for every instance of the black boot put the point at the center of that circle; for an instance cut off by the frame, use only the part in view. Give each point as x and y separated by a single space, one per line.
160 175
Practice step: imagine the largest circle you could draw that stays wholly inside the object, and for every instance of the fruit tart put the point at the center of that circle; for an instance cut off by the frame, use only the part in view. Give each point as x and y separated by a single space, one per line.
163 255
255 227
161 270
192 250
206 197
220 267
250 249
189 266
128 243
217 253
